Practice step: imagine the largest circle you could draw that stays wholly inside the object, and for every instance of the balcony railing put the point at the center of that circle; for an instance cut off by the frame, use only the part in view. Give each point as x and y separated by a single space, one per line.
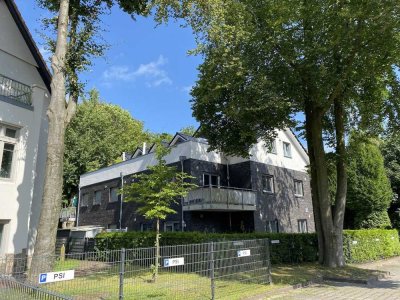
68 214
15 90
222 198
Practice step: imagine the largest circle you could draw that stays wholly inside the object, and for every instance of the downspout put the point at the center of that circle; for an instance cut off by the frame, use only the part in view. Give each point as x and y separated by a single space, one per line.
121 202
78 204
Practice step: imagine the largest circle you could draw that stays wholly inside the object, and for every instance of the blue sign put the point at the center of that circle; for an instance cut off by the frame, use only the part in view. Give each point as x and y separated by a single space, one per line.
43 278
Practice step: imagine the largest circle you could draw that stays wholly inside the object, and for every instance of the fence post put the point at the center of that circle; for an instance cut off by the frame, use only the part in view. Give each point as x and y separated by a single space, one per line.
121 274
268 257
212 270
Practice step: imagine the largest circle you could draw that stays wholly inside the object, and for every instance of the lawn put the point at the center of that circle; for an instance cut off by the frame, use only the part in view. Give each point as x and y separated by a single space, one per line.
96 280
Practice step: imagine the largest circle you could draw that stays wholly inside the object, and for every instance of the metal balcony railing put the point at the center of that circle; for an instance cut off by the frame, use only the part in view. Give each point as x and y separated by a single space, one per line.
68 214
15 90
220 198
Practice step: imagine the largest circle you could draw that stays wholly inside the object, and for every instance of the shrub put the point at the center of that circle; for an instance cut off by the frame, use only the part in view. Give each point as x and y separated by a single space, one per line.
370 244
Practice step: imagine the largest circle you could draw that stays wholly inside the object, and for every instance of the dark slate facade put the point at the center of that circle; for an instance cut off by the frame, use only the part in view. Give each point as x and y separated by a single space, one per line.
282 207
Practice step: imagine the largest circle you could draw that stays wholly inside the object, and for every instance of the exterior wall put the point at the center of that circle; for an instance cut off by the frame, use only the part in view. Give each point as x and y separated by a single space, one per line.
20 196
282 205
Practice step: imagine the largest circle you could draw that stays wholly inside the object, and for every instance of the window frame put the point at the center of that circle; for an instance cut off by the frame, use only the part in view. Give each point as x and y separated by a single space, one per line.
296 181
95 202
12 141
268 177
84 203
272 147
172 224
287 154
110 193
210 185
268 227
300 225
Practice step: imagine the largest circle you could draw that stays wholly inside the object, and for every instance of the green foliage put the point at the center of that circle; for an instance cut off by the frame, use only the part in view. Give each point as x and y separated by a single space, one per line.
369 191
391 152
158 189
189 130
96 138
372 244
293 247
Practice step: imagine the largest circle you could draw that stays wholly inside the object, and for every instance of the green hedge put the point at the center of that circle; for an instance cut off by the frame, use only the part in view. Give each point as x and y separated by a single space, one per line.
359 245
370 244
292 247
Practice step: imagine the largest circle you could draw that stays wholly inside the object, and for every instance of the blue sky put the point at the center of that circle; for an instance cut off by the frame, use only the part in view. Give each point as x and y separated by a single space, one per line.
147 69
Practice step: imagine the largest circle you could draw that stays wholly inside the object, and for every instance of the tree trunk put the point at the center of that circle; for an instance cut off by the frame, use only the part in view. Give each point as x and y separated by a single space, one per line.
341 188
314 186
319 177
51 203
157 258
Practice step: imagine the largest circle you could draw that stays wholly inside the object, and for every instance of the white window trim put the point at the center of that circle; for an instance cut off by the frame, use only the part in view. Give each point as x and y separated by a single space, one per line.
302 188
265 177
285 154
302 221
14 141
210 185
109 195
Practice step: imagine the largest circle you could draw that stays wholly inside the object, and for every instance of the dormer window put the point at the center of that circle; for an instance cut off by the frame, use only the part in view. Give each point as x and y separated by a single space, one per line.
287 151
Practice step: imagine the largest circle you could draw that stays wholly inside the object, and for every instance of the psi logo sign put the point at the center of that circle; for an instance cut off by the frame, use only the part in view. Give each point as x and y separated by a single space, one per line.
56 276
172 262
243 253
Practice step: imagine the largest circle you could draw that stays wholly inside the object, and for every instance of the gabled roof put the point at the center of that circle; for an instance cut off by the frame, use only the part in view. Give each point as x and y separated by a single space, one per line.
42 69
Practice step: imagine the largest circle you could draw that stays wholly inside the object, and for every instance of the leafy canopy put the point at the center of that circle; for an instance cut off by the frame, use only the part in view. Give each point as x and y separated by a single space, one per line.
96 138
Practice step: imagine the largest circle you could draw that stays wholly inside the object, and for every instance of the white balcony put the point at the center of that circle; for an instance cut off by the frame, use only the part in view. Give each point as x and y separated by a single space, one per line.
220 199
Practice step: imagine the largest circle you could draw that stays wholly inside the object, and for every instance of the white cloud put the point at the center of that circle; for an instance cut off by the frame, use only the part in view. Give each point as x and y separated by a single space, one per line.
153 72
187 89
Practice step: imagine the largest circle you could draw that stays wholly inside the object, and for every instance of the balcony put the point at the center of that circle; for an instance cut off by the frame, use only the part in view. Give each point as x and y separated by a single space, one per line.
15 90
220 199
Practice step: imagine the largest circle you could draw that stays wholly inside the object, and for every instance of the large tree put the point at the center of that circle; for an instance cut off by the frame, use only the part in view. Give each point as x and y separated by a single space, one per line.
77 30
333 61
96 137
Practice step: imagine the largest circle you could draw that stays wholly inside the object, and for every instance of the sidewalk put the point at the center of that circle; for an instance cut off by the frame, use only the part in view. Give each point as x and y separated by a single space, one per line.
385 289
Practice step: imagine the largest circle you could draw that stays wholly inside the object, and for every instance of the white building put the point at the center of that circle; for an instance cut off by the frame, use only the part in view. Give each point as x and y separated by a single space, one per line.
24 98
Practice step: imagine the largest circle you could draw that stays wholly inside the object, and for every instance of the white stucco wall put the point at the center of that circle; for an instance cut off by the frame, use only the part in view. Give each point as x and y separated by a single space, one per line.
20 196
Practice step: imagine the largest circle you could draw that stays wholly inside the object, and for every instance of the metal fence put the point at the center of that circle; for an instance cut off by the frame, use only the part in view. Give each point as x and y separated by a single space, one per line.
16 90
215 270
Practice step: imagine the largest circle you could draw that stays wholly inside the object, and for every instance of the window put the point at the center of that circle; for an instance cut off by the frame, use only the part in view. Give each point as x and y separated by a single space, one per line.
8 141
97 197
85 200
114 194
211 180
302 224
112 226
268 184
146 227
172 226
272 226
298 188
287 151
272 146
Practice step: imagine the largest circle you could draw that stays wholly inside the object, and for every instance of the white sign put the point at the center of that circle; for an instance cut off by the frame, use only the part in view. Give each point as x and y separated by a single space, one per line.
56 276
275 241
172 262
242 253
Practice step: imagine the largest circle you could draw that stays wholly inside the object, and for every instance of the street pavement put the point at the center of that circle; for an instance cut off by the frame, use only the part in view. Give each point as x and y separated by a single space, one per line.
383 289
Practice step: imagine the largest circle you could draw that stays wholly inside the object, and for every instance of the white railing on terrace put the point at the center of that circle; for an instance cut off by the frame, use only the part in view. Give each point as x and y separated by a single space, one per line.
15 90
220 198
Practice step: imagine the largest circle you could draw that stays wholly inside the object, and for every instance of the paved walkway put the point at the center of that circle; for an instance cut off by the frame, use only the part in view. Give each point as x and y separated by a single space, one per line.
384 289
